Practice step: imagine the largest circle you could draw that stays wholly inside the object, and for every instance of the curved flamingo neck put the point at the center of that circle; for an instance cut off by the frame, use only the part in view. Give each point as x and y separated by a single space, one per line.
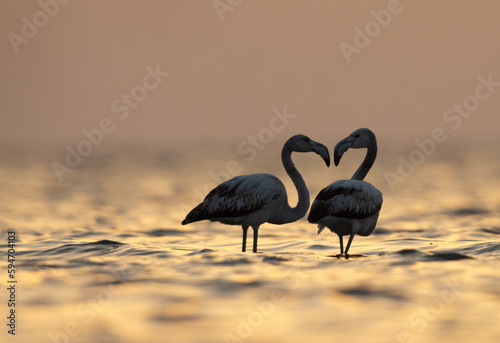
368 162
292 214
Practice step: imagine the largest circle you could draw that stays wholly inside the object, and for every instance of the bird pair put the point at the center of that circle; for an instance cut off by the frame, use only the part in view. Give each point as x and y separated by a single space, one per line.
346 207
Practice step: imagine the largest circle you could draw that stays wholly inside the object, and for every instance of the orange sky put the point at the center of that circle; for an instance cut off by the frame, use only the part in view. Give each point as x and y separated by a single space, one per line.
226 77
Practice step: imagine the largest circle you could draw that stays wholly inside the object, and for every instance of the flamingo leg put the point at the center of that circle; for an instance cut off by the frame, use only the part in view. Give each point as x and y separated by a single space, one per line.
244 246
255 237
341 240
349 243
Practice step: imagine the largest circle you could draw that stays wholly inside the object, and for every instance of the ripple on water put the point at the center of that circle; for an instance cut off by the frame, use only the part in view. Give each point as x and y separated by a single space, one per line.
418 255
495 230
409 252
140 251
274 259
166 232
319 247
200 252
445 256
366 291
82 248
467 211
482 248
384 231
232 261
225 286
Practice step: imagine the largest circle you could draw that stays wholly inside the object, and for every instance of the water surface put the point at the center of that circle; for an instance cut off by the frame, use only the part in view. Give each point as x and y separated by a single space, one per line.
102 257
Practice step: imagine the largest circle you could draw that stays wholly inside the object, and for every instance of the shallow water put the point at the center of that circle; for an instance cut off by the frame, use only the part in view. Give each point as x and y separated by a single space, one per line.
102 257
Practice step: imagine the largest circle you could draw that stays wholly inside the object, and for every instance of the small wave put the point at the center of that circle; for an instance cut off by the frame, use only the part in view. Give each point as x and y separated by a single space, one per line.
225 286
200 252
165 232
467 211
384 231
319 247
363 291
482 248
102 245
232 262
409 252
418 255
104 241
274 259
134 251
445 256
494 230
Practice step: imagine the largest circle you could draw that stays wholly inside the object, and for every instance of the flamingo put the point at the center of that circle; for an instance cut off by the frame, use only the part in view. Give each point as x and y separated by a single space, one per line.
350 207
251 200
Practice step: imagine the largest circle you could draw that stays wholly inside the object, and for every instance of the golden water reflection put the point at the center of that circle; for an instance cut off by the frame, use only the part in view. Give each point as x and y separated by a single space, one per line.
103 258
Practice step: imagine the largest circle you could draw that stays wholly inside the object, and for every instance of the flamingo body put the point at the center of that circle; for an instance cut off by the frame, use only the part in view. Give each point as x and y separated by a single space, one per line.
243 200
347 205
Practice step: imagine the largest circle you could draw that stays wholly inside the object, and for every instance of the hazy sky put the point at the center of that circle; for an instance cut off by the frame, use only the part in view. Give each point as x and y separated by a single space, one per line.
225 77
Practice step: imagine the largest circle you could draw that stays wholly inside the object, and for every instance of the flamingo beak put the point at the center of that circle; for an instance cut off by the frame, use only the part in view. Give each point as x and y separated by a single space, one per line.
321 150
320 229
341 148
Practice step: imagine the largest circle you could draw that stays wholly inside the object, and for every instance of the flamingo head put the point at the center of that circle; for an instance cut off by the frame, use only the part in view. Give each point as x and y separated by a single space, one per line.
302 143
361 138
